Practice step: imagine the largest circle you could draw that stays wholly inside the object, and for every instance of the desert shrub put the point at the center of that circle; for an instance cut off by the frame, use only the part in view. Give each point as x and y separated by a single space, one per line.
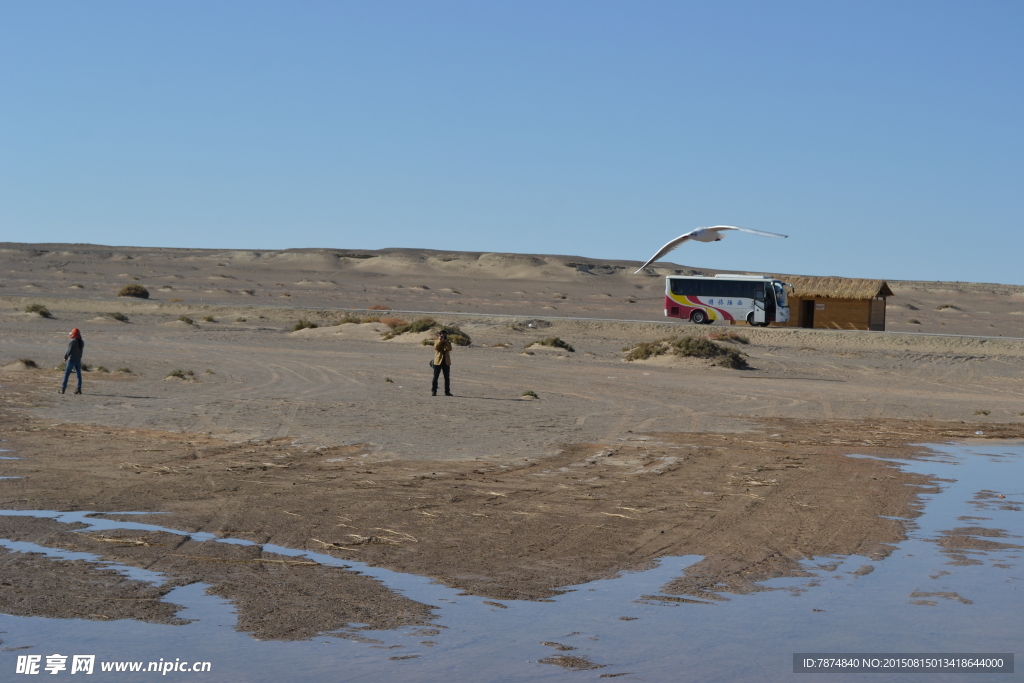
174 301
696 347
137 291
912 307
379 308
556 342
208 372
530 392
645 350
209 319
689 347
100 368
914 321
28 362
729 337
181 374
120 317
304 324
86 367
185 319
63 366
388 380
250 292
982 412
393 322
420 325
456 335
39 309
126 371
239 320
951 307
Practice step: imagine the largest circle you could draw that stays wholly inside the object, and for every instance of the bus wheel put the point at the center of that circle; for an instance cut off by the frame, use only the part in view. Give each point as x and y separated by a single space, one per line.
750 321
699 317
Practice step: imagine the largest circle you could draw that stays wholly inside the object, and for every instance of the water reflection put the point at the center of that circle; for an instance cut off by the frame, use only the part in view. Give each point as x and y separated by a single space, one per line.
953 586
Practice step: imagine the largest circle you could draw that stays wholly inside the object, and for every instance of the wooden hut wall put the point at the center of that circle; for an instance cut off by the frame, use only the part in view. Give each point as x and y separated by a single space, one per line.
837 314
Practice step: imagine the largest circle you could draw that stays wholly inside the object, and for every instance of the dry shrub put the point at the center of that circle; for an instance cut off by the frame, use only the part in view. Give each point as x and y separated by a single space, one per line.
378 307
645 350
729 337
394 323
420 325
28 362
456 335
39 309
349 318
304 324
554 342
137 291
687 347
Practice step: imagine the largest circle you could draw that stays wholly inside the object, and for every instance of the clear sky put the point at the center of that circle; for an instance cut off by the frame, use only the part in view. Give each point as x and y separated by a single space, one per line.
884 137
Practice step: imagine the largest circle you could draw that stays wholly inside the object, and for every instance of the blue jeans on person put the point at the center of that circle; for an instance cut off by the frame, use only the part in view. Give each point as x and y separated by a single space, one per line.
75 365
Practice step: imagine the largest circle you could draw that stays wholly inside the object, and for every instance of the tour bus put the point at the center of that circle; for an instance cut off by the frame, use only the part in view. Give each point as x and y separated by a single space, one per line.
757 299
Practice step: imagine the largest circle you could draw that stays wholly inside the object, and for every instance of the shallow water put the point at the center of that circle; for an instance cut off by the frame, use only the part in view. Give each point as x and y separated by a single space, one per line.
923 598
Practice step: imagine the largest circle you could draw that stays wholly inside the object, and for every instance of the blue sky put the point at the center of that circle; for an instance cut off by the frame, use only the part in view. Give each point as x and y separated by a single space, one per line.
884 137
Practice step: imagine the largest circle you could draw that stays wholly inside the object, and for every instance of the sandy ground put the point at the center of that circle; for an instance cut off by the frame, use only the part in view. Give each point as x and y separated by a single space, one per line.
328 439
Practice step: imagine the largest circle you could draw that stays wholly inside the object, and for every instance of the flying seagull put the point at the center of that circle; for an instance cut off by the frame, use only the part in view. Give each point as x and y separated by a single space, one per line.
703 235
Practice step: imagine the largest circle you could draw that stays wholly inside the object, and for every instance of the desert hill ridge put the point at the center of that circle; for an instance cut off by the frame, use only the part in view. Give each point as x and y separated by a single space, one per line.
385 261
432 280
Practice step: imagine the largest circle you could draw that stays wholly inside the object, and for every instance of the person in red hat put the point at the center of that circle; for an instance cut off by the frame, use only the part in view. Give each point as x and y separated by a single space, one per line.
73 360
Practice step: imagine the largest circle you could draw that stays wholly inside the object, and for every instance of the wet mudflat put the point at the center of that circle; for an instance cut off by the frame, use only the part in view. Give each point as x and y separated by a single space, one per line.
953 585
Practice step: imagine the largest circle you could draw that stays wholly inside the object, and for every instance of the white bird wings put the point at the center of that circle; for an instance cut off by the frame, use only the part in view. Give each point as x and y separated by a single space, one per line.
697 234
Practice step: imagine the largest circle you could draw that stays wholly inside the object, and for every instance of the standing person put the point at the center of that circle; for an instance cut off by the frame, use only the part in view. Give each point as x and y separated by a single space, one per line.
73 360
442 363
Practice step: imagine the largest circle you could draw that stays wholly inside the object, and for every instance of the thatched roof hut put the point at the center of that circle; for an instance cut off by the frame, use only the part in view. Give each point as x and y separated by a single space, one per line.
806 287
837 302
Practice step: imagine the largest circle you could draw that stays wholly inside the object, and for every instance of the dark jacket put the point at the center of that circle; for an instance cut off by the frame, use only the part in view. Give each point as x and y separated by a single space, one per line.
75 349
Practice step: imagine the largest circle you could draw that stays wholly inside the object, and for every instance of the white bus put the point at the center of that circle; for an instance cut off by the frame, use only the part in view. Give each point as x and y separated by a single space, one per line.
757 299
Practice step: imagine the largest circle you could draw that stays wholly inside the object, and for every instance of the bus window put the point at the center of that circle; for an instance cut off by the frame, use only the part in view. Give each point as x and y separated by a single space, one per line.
780 293
715 288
